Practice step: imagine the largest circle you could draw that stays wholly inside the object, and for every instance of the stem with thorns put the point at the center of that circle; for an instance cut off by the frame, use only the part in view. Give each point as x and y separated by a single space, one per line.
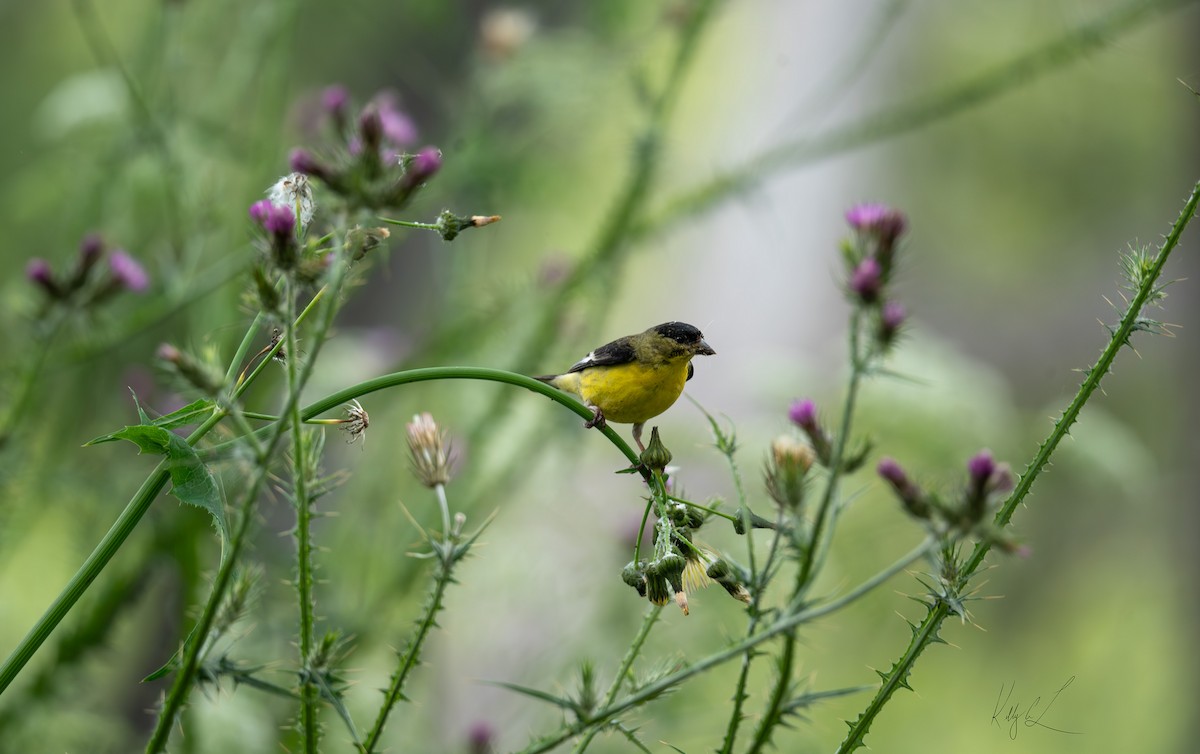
927 632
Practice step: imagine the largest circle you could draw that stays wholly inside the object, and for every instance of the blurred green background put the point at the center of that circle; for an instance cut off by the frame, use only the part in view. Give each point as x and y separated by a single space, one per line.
157 124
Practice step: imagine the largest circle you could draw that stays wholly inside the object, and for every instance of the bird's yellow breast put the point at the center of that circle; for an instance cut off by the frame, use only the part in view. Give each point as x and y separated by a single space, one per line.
628 393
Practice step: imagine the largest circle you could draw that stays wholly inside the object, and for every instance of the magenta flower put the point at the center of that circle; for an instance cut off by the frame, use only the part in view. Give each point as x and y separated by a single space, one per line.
280 221
981 467
424 164
867 280
334 100
260 210
303 161
126 270
804 415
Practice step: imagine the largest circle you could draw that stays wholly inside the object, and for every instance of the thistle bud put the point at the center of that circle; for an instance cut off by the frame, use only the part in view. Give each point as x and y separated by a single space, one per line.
39 273
198 374
786 468
910 495
730 579
867 280
655 456
804 415
634 575
126 272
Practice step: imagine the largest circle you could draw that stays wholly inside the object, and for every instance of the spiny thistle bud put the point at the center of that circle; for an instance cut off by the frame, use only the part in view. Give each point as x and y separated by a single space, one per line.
867 280
449 225
126 272
334 101
655 456
671 567
370 130
804 415
480 738
891 317
730 579
39 273
431 454
883 226
91 249
786 468
360 241
634 575
303 161
200 375
985 477
910 495
658 591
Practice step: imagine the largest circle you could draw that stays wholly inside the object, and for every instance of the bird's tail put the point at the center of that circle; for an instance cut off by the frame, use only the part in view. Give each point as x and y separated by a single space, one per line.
547 378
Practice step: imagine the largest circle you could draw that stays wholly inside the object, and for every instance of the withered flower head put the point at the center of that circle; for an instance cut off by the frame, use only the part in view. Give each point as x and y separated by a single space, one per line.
430 452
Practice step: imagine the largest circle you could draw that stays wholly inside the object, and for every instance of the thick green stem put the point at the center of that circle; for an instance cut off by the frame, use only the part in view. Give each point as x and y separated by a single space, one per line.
927 632
309 729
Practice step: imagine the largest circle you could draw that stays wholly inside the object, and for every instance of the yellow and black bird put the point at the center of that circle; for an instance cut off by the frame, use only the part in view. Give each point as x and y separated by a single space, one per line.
634 379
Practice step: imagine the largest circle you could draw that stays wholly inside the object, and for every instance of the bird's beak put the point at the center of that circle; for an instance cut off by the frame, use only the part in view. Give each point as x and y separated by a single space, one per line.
705 349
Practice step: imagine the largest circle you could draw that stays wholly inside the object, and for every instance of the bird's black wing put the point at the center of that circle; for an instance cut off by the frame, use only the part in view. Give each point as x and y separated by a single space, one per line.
691 371
619 351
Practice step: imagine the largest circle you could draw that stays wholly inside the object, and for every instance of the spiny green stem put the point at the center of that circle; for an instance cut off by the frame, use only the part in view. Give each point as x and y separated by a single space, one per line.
185 675
938 612
652 615
194 650
408 660
804 576
309 729
786 623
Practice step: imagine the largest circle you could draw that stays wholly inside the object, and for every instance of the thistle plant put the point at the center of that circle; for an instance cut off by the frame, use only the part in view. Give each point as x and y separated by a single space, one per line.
242 431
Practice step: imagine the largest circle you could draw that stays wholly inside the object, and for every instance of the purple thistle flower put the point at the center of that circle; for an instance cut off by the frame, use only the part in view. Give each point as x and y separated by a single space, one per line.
867 280
893 316
804 415
334 100
260 211
479 737
891 471
280 221
126 270
398 128
865 217
424 164
303 161
90 249
981 467
370 128
910 494
39 273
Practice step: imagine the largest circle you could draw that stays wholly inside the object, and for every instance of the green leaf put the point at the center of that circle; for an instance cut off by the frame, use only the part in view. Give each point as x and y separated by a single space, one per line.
191 481
193 413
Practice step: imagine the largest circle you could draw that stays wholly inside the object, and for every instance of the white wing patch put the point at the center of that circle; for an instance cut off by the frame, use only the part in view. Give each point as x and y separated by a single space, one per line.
591 357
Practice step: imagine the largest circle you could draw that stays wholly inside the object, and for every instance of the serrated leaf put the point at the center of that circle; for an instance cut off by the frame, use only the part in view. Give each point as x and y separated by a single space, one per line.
191 481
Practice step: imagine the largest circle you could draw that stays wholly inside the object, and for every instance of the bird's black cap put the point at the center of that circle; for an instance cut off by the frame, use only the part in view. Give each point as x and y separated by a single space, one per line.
684 334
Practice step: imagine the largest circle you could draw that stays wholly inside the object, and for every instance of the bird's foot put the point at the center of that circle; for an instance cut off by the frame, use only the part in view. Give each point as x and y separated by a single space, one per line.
597 419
